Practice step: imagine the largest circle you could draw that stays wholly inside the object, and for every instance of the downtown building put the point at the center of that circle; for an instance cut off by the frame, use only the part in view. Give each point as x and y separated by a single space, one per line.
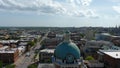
8 55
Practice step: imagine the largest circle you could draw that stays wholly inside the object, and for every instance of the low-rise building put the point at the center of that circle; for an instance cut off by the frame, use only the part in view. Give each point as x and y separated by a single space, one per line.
94 64
75 36
51 42
8 55
110 58
51 35
11 43
103 36
46 55
91 47
21 50
46 65
108 37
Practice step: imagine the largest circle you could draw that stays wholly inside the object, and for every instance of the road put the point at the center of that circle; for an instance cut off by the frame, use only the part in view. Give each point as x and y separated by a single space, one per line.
25 61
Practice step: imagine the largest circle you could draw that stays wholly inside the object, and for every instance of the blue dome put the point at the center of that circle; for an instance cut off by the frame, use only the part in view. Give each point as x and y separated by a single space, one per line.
65 48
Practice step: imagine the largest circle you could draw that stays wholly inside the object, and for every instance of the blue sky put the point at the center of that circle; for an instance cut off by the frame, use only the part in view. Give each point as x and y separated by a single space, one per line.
60 13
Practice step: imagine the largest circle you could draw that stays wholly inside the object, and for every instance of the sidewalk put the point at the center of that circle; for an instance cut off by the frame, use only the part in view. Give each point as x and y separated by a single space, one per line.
20 59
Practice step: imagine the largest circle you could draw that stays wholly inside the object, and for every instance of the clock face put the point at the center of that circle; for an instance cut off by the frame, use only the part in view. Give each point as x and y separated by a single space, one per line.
70 58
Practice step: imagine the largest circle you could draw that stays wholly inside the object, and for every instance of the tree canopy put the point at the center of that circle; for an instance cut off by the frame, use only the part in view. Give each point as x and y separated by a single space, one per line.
89 58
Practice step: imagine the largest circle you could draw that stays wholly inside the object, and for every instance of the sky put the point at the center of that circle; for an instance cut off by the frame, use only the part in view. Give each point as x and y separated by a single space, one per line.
60 13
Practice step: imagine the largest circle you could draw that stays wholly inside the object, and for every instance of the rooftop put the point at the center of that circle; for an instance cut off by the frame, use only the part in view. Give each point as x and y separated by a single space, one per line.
112 53
48 50
6 50
45 65
94 63
8 41
23 43
21 47
106 34
4 47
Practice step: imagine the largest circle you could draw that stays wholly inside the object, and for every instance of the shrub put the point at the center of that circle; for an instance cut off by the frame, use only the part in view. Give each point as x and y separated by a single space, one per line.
1 64
89 58
10 66
33 66
31 43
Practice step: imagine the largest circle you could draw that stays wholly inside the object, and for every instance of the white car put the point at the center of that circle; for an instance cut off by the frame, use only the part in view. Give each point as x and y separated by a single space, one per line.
28 54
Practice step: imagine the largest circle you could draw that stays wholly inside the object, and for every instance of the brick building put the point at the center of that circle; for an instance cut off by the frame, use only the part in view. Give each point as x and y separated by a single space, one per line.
8 55
111 59
46 55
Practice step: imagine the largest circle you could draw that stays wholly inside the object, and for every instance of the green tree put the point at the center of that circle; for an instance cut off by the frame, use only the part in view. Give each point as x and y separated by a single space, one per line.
1 64
82 35
48 61
10 66
42 47
42 43
35 40
89 58
33 66
31 43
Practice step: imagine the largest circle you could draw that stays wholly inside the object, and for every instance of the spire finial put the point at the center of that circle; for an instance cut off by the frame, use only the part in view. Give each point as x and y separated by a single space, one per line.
67 36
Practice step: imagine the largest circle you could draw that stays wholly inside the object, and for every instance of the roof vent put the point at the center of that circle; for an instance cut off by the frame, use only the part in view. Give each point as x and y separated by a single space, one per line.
116 54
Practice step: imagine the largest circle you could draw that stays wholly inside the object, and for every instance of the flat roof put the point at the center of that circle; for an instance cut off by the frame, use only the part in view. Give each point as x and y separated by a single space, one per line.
3 48
8 41
23 43
46 65
21 47
12 50
47 50
94 63
113 53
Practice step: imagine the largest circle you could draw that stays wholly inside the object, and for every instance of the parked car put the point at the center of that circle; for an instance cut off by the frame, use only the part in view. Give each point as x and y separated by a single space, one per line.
28 54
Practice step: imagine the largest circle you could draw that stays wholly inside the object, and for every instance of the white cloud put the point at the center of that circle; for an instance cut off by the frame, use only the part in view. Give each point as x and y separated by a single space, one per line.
68 7
80 8
81 2
86 2
117 9
32 5
114 0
